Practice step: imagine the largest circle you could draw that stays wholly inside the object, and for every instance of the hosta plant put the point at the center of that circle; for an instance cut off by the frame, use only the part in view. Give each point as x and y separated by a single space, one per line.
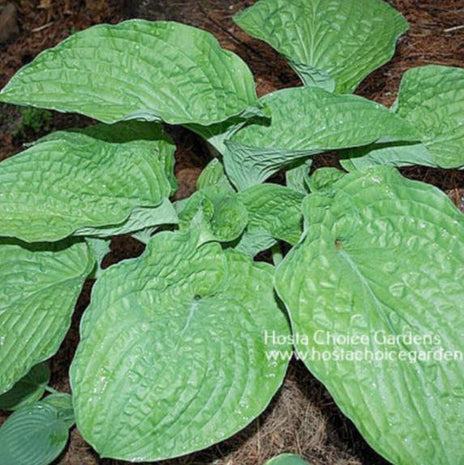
185 345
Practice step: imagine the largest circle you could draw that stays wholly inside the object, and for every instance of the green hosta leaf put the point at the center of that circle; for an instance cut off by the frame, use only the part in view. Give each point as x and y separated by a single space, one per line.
137 70
74 181
63 403
100 249
217 134
387 154
28 389
140 218
34 435
324 178
383 260
117 133
255 241
125 131
306 121
274 209
297 176
329 43
39 286
172 355
217 213
214 175
287 459
431 99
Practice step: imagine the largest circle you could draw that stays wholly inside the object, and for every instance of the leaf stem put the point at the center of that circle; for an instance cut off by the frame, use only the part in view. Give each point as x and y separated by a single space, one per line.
51 390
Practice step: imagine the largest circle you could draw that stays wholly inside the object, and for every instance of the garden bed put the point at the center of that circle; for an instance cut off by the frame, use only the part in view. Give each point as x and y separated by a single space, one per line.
302 418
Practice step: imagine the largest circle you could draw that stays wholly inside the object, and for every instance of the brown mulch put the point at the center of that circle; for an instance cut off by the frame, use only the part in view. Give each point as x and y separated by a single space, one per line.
302 418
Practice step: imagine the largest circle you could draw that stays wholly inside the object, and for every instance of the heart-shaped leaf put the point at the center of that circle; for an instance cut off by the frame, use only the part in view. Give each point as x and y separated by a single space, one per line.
375 295
173 354
36 434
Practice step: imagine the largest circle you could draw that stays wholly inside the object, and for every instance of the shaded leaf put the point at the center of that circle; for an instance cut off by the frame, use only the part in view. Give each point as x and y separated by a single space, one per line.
324 178
28 389
297 175
287 459
139 219
39 286
34 435
214 175
255 241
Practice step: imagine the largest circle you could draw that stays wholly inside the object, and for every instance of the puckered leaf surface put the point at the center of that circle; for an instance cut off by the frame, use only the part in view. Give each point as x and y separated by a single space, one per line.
216 212
173 356
306 121
274 209
431 99
332 44
383 259
73 181
36 434
214 175
137 70
39 286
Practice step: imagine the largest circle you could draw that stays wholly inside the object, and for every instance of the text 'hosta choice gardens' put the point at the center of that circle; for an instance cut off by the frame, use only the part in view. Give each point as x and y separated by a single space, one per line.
360 269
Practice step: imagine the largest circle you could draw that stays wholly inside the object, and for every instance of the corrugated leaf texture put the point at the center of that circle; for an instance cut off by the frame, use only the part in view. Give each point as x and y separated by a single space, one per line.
383 255
137 69
173 357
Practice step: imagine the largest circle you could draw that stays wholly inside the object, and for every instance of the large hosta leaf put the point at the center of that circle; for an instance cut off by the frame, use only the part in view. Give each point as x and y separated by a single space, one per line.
306 121
73 181
274 209
39 286
329 43
36 434
173 356
137 69
431 99
380 271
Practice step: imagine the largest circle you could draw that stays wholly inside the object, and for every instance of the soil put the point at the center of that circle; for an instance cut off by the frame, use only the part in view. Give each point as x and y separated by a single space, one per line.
302 418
